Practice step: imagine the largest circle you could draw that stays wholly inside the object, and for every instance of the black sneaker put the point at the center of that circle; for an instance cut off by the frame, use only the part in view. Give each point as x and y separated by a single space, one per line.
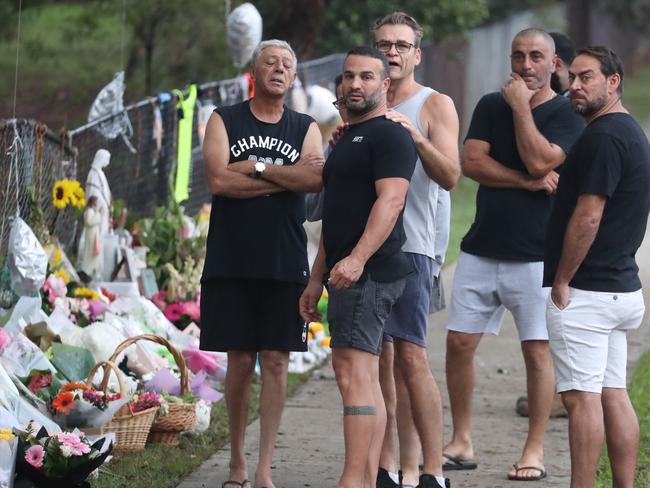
430 481
385 481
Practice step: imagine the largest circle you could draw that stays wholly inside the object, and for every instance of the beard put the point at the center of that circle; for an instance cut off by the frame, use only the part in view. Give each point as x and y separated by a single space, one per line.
588 108
365 105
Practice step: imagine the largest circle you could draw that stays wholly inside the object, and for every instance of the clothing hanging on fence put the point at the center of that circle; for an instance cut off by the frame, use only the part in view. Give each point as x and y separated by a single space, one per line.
184 157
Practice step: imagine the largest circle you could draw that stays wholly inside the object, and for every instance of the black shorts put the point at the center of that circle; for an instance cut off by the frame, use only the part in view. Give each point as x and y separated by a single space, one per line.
251 315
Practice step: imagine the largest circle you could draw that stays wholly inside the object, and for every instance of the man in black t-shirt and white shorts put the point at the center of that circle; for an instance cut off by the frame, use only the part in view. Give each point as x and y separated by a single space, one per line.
516 140
260 157
597 224
366 179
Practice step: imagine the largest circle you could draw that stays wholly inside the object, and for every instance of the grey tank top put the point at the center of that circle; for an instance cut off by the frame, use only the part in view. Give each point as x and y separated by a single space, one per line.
422 199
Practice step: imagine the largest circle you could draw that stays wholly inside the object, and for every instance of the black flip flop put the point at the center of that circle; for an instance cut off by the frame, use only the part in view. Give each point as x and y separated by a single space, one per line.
516 477
457 464
234 482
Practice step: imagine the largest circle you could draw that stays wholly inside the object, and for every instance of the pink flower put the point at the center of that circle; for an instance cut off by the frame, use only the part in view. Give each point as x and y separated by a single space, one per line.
160 300
192 310
66 438
39 381
34 456
174 312
96 308
5 338
55 287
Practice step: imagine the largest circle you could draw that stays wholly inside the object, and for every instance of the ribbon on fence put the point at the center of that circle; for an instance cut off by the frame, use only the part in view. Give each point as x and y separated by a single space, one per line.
184 155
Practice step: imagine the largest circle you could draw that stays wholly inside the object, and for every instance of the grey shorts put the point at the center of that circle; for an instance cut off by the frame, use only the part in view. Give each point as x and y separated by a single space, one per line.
484 288
409 319
357 314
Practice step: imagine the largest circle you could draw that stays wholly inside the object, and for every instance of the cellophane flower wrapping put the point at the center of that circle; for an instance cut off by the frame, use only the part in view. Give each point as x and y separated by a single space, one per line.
8 452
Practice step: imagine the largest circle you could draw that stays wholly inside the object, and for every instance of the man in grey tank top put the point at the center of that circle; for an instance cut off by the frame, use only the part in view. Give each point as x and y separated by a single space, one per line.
431 119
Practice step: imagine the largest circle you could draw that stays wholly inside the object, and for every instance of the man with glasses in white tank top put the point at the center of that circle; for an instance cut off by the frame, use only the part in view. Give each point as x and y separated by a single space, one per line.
431 119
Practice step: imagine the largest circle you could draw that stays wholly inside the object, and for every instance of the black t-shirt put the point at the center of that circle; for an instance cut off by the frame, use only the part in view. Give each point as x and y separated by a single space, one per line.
367 152
260 237
611 159
510 223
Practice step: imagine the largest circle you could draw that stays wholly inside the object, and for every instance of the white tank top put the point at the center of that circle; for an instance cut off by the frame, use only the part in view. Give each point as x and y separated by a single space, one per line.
422 199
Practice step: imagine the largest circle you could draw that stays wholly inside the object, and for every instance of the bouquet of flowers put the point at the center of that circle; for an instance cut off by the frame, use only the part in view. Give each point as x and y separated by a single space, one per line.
8 450
78 405
55 460
81 305
149 399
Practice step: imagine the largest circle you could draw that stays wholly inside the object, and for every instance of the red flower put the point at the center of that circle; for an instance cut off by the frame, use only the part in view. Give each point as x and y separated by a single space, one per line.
108 294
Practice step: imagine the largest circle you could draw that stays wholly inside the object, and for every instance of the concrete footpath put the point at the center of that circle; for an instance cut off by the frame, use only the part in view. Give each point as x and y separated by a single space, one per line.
310 445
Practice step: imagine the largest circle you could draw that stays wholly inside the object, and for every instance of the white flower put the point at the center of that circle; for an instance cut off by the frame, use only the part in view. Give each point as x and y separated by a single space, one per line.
66 450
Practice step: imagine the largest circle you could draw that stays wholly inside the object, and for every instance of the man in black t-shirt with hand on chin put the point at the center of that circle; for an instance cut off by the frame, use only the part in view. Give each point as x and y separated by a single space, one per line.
516 141
366 179
597 225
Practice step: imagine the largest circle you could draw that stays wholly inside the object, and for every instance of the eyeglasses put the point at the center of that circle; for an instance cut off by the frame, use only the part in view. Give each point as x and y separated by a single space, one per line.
339 103
402 47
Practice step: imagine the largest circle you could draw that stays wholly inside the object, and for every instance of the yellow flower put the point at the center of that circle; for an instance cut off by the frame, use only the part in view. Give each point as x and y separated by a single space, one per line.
77 195
86 293
6 435
61 194
325 294
325 341
316 327
58 256
62 273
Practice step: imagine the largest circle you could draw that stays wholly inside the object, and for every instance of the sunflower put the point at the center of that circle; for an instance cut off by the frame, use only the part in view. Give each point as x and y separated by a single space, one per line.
61 194
77 194
86 293
63 403
73 385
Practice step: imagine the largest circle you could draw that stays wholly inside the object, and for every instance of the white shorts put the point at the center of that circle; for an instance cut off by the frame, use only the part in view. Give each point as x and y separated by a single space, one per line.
484 288
588 338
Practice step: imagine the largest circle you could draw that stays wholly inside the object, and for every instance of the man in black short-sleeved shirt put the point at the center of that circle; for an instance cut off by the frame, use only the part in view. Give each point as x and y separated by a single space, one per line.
260 157
515 143
597 224
366 179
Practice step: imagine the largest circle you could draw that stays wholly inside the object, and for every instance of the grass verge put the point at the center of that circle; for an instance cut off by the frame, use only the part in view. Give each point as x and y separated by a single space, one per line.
463 206
160 466
640 396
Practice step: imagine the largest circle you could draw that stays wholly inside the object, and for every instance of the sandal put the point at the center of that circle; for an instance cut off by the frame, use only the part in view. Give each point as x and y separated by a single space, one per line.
233 482
516 477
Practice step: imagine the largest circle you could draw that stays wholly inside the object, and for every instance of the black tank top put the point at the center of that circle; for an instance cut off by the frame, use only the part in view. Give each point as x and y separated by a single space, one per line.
260 237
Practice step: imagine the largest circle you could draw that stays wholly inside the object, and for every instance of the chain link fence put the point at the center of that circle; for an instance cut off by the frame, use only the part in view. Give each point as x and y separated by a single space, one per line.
143 161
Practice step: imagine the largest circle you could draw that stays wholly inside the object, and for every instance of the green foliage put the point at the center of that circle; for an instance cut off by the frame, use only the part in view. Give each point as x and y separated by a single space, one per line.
635 95
633 14
163 235
344 27
500 9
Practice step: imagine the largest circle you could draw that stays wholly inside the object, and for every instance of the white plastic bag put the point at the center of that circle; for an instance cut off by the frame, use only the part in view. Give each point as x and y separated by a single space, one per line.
26 259
244 32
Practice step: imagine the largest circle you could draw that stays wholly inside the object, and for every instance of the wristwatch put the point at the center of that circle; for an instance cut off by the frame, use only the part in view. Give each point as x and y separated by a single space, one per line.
259 169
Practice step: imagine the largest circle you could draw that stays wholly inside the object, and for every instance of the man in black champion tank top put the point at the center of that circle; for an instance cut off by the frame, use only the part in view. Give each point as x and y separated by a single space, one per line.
260 157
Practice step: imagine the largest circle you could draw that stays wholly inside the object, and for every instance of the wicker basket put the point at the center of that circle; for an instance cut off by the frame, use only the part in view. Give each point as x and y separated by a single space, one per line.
181 417
131 429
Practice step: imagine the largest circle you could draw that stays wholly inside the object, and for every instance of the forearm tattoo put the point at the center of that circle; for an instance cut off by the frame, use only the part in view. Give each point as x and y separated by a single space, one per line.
359 410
